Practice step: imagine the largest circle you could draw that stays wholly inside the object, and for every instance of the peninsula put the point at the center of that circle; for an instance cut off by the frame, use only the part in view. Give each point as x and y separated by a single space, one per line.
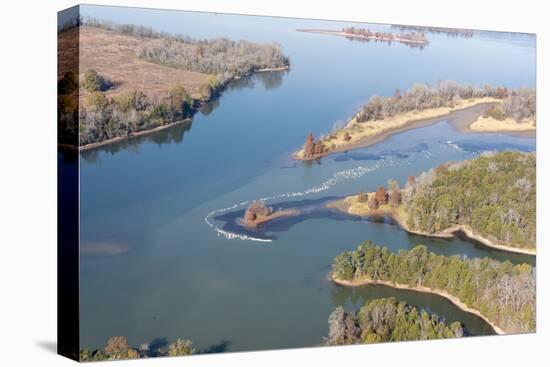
500 293
490 199
488 109
133 80
411 38
388 320
258 213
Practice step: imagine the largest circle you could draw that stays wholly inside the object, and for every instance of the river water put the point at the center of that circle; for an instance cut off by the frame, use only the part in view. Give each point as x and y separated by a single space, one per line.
160 255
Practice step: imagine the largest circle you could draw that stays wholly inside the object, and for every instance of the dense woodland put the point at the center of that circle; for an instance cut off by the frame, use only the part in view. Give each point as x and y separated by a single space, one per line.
117 348
519 104
495 194
103 118
418 37
501 291
221 57
387 320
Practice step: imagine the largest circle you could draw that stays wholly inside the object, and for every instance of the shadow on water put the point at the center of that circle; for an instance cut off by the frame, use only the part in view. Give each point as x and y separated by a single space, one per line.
216 348
353 298
316 209
418 46
369 156
309 208
493 145
156 346
175 134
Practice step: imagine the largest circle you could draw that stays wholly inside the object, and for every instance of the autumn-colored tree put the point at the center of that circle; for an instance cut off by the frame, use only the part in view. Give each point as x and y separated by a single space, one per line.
309 146
347 136
257 209
116 344
182 347
372 203
410 181
381 196
395 198
117 348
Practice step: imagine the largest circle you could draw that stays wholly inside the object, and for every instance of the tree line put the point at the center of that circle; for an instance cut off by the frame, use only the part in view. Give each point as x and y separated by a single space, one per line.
494 194
386 36
117 348
502 292
387 320
224 58
519 104
103 117
455 32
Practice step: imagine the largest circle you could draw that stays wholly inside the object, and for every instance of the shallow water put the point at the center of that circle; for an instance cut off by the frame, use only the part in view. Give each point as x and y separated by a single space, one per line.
156 264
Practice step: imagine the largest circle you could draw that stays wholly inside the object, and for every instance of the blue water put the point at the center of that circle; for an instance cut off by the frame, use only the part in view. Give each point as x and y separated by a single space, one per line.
173 275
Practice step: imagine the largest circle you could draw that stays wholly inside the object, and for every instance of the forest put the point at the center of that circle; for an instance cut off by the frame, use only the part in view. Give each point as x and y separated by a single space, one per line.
494 194
106 112
518 104
502 292
387 320
103 117
221 57
117 348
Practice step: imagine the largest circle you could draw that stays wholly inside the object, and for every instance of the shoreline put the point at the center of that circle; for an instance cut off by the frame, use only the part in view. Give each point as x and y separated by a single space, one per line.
265 70
507 126
158 128
341 205
453 299
360 36
402 122
129 136
268 218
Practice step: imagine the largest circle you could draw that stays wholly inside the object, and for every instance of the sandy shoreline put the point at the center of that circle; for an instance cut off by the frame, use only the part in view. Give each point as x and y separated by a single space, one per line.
372 132
455 300
490 124
344 206
464 117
